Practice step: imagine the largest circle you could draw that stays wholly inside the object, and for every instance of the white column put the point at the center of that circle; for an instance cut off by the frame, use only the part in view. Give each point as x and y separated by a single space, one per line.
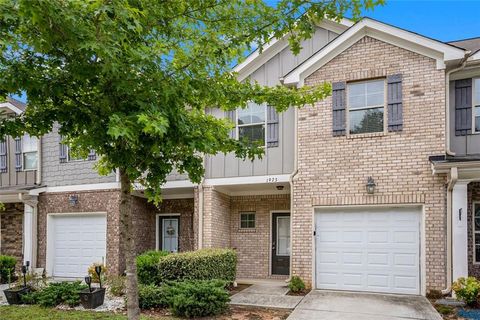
459 230
29 235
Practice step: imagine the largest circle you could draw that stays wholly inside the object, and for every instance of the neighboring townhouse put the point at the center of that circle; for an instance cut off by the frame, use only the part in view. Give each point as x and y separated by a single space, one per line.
376 188
19 175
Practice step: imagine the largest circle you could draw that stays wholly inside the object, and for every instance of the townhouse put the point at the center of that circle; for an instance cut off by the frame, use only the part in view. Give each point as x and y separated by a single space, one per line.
376 188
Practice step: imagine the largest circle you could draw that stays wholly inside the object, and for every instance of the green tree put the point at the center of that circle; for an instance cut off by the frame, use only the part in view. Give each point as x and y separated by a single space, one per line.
131 79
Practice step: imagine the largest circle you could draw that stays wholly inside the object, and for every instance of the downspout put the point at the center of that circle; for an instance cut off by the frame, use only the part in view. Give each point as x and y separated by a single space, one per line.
39 161
452 179
463 62
200 215
292 176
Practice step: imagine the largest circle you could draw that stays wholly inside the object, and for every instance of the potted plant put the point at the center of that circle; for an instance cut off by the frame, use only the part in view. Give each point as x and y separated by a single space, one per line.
92 298
14 294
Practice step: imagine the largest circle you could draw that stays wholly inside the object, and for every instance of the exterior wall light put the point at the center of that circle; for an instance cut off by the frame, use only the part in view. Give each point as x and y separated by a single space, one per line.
73 200
370 186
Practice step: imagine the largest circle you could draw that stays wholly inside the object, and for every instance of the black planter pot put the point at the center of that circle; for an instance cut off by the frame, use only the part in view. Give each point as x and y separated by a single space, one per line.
14 295
91 300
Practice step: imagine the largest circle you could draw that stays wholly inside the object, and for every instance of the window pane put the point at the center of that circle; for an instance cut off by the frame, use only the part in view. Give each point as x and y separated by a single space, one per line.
477 217
247 220
30 160
477 252
283 236
364 121
375 99
477 118
253 113
29 144
356 102
254 134
476 94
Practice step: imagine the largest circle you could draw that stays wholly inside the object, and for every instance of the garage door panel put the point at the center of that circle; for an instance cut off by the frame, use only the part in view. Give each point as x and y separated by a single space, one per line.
380 252
78 241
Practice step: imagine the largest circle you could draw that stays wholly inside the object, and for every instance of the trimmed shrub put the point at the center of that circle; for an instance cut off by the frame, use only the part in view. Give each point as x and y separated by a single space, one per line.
151 296
467 290
147 266
55 294
296 284
205 264
7 268
197 298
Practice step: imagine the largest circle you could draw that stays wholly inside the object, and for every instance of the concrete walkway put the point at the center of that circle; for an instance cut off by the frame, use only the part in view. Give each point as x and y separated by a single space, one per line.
335 305
268 294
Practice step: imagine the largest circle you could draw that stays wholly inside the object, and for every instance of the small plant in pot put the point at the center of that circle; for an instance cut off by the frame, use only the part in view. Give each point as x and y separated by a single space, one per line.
92 298
14 294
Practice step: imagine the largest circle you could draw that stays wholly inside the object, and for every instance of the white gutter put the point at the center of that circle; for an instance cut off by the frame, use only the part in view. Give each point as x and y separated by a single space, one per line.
200 215
452 179
292 176
39 161
448 151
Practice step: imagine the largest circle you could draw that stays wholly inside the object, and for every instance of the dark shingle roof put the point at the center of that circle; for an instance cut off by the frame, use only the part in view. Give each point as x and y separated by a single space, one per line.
20 105
472 44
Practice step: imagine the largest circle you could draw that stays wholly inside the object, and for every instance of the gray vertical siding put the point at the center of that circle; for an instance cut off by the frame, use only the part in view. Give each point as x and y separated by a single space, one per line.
277 160
467 145
13 178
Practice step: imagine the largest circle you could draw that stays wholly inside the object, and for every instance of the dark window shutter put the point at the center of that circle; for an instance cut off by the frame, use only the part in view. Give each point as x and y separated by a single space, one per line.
63 151
394 102
273 127
92 155
231 115
463 107
18 154
3 156
339 108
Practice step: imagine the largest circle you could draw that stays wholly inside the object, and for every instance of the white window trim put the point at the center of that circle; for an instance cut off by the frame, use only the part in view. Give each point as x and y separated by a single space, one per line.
157 227
474 233
474 104
265 123
69 159
23 154
254 220
278 237
347 108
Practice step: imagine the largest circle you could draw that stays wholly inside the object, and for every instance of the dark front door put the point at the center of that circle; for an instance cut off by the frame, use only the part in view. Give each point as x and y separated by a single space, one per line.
281 243
169 227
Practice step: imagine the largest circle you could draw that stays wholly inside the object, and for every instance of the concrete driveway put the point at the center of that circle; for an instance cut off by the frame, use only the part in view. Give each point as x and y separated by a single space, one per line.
336 305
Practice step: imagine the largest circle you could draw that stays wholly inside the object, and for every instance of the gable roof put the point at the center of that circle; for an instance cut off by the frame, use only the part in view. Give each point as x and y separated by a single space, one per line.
14 105
472 44
442 52
256 59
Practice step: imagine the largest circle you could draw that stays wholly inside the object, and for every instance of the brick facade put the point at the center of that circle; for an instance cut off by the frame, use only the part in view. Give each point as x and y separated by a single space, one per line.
473 196
11 233
334 170
184 207
216 219
253 245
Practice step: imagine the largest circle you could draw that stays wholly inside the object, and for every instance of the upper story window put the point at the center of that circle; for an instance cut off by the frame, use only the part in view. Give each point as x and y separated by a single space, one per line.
251 123
366 104
476 104
30 154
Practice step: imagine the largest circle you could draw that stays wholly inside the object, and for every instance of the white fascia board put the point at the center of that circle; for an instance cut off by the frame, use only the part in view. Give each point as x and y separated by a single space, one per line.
275 45
247 180
76 188
475 57
10 106
439 51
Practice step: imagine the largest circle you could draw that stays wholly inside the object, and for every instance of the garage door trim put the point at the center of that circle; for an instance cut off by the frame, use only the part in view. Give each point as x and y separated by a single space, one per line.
421 210
50 233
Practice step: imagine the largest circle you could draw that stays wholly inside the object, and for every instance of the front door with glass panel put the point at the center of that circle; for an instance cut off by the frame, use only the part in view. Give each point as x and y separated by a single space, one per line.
168 237
281 243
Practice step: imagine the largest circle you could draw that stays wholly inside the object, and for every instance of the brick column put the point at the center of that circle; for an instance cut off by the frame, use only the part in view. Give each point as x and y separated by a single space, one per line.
216 219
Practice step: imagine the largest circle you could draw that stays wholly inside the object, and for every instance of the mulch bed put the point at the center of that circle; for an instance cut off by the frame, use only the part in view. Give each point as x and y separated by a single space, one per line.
300 293
234 312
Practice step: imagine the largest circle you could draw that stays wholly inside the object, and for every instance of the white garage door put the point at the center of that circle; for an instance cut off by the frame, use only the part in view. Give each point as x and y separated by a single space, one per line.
374 250
78 241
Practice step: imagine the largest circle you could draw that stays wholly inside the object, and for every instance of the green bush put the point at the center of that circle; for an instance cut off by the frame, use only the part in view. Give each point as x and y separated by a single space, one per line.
116 285
467 290
197 298
147 266
151 296
296 284
205 264
55 294
7 268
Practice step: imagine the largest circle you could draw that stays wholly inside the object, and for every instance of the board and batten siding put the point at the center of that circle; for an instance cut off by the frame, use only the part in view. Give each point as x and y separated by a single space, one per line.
279 159
469 144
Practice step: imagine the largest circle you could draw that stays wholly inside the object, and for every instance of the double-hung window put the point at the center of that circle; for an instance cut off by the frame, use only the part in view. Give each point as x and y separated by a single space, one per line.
251 123
476 231
30 154
366 105
476 104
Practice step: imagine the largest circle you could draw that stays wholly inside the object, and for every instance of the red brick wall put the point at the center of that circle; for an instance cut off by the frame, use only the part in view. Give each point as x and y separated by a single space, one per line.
185 207
11 241
473 196
334 170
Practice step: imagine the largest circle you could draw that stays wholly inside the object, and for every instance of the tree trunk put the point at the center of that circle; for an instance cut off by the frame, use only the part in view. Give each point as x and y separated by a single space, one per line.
128 240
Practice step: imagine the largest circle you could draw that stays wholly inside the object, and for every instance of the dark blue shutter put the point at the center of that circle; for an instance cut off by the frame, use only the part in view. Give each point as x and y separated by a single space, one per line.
3 156
463 107
339 108
231 115
92 155
394 102
63 151
273 126
18 154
